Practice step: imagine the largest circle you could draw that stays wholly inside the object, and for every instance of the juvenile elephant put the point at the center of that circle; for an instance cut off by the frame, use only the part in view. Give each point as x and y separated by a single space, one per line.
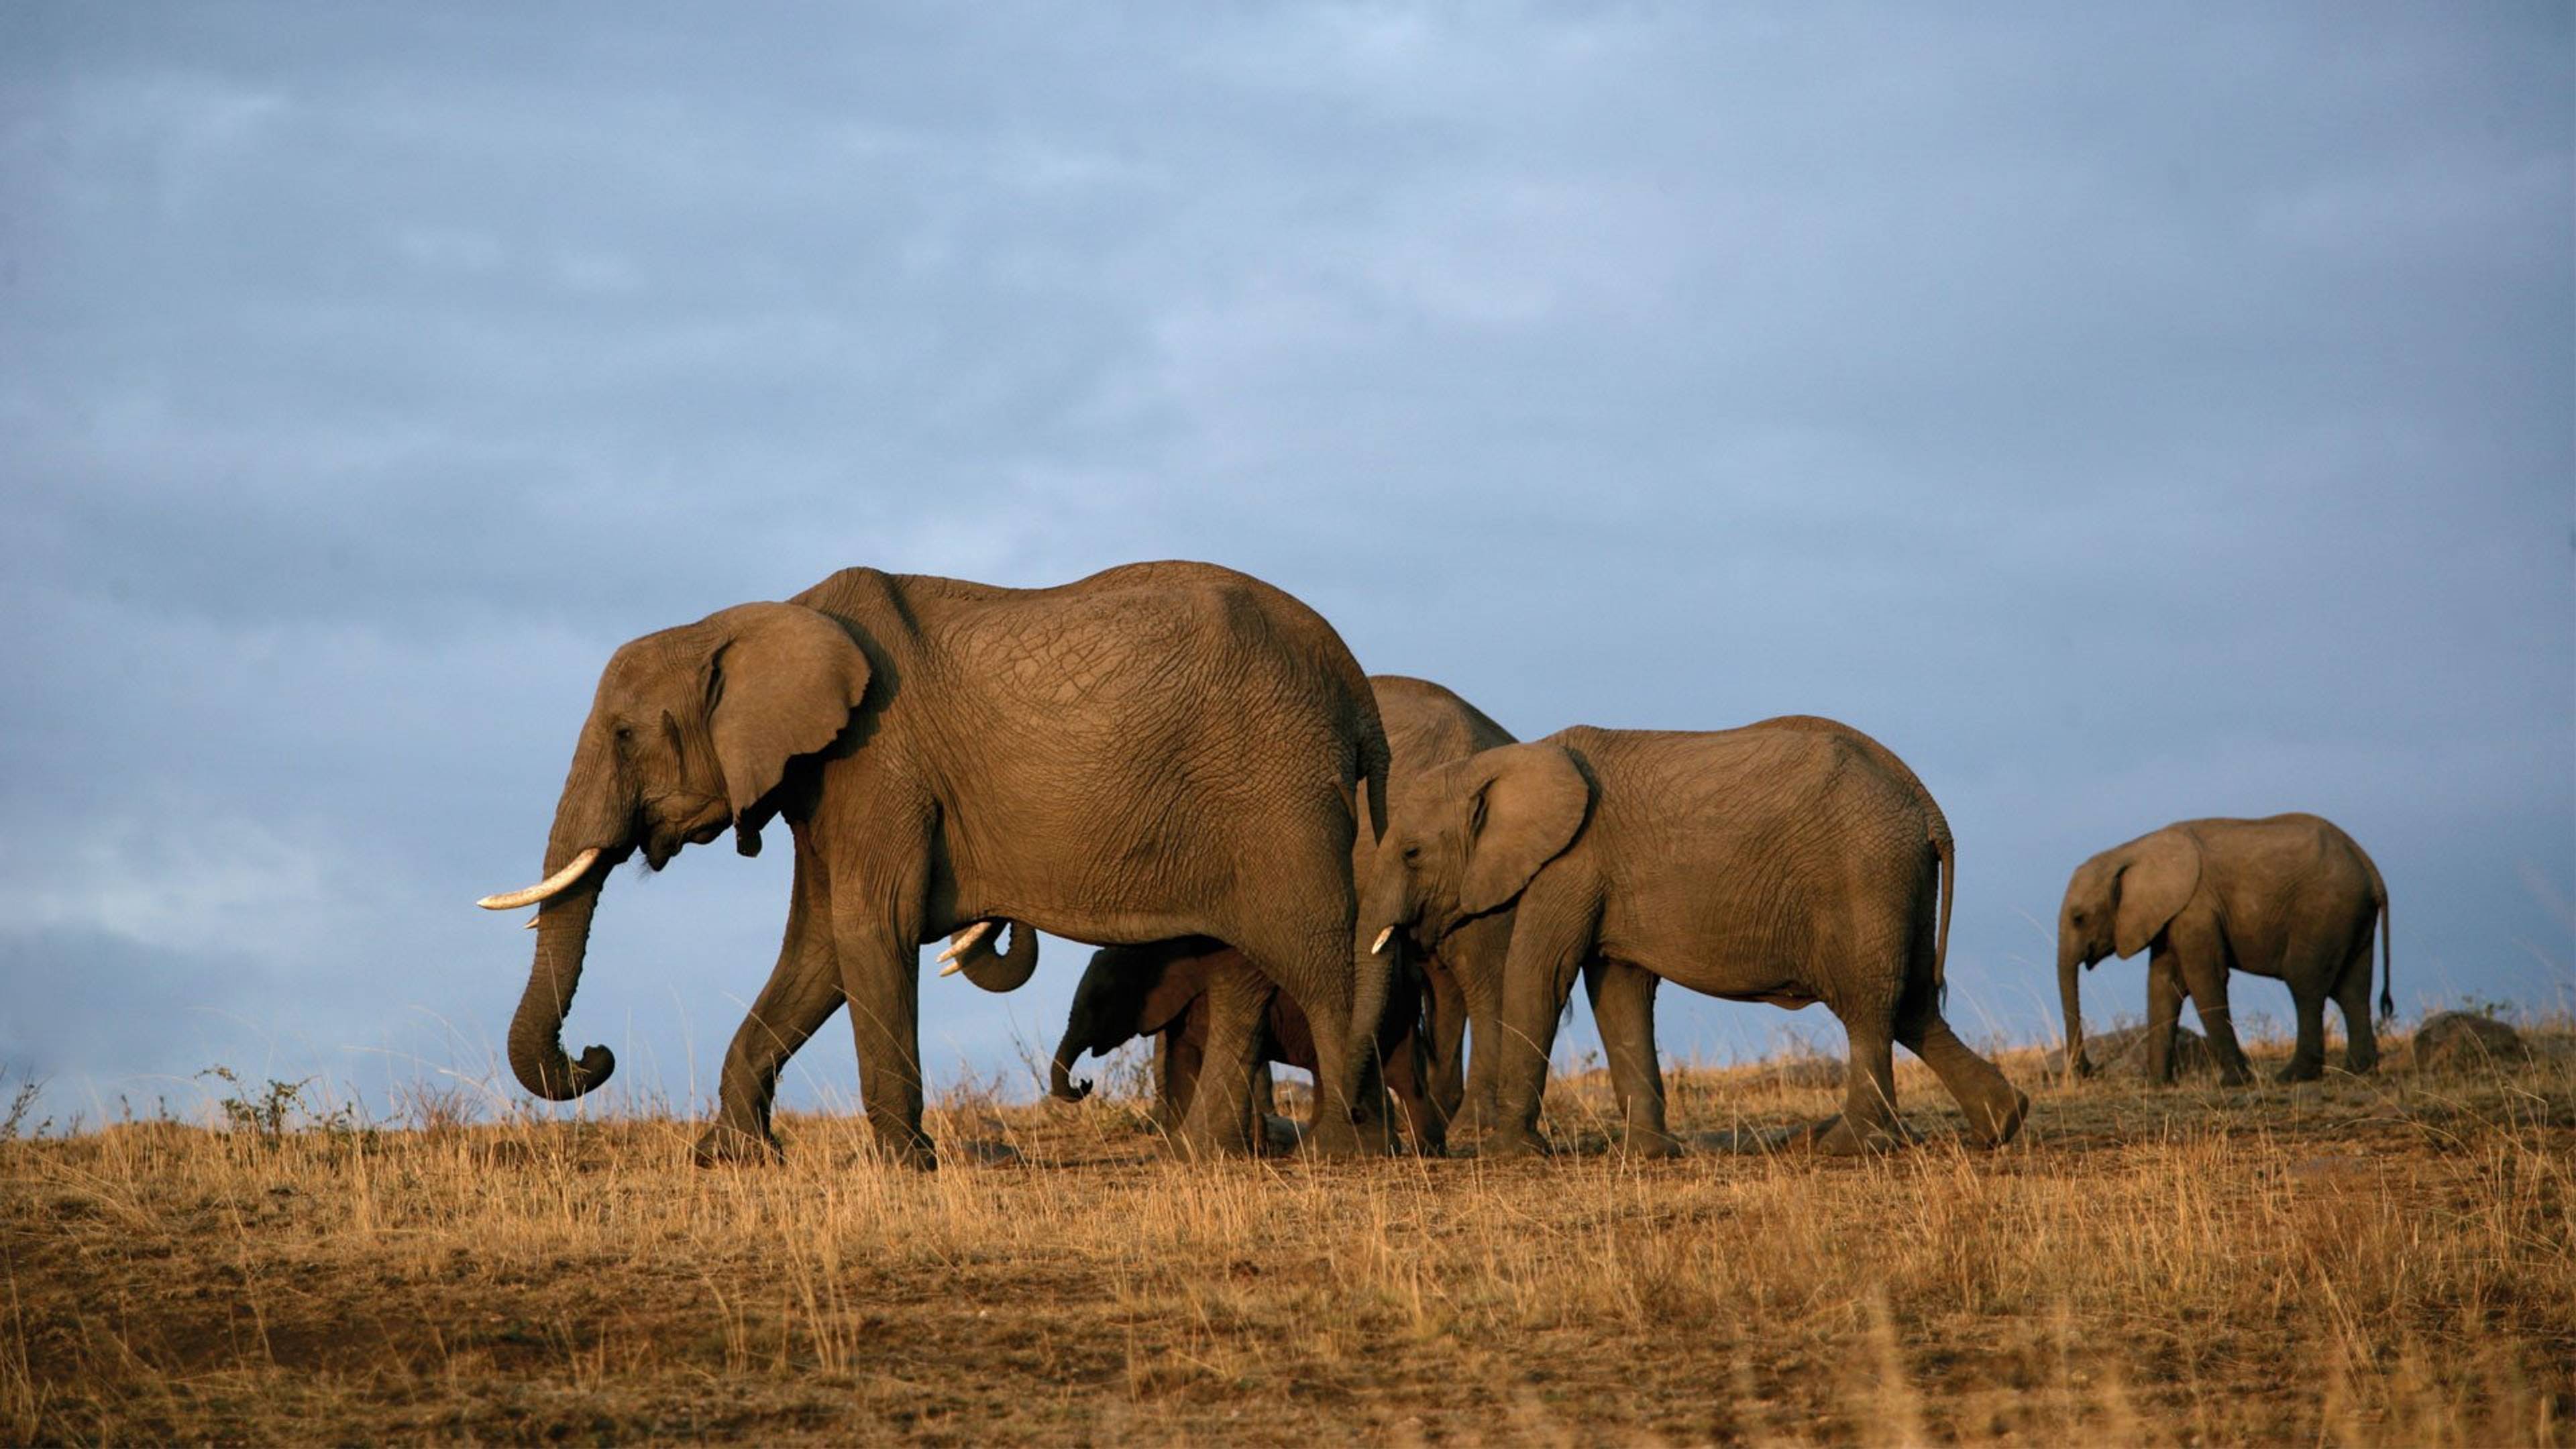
1787 863
1462 972
1158 750
1160 990
2289 896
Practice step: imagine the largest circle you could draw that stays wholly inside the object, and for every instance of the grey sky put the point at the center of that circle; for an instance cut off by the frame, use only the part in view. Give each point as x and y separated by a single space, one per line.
2127 415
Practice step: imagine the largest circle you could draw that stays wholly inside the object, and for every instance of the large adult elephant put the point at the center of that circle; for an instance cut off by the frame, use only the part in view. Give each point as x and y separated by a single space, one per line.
1787 863
2288 896
1158 750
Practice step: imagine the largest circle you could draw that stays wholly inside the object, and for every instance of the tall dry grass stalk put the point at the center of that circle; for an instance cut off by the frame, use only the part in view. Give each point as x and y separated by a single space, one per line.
2384 1261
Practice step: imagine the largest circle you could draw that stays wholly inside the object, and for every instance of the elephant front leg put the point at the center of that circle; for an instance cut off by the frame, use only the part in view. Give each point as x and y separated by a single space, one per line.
1444 1039
1623 1010
1552 937
2203 961
880 962
1176 1076
1218 1122
802 992
1475 956
2164 1013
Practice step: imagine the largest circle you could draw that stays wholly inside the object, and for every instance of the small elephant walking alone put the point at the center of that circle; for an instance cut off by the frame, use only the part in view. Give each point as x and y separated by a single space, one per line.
1787 862
1158 750
2289 896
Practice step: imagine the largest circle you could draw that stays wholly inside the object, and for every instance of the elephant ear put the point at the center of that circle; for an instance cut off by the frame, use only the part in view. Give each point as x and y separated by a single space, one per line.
783 683
2154 884
1524 808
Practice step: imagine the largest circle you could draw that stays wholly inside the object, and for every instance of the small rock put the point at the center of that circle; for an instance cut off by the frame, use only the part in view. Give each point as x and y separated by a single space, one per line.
2462 1041
2123 1053
989 1152
1823 1072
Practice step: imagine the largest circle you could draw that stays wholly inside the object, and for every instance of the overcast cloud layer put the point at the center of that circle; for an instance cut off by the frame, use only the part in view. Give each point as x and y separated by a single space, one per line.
2126 416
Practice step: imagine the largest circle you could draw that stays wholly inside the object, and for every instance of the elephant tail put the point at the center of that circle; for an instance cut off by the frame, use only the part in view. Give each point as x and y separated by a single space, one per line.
1373 761
2387 951
1946 851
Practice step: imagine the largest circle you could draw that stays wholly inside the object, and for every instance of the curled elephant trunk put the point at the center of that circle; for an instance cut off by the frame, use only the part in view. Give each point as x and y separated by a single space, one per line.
536 1031
2069 962
972 952
1060 1082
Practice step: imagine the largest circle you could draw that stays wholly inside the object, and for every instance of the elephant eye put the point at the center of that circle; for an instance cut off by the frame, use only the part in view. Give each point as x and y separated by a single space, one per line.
1412 853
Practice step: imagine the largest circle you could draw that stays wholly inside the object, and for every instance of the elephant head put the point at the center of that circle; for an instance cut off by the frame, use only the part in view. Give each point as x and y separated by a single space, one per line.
1468 836
1127 992
2115 905
691 731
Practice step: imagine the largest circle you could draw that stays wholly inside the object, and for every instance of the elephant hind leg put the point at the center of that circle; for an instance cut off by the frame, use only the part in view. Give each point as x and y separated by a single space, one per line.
2352 995
1868 1122
1995 1107
2308 1058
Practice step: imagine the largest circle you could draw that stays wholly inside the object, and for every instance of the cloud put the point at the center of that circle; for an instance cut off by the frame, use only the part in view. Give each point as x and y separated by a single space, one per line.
2124 418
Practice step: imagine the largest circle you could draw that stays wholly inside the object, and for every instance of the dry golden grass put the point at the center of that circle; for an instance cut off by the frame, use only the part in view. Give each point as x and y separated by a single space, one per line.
2384 1261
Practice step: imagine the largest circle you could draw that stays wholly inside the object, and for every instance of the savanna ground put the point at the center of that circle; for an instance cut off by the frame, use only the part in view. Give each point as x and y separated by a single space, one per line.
2375 1261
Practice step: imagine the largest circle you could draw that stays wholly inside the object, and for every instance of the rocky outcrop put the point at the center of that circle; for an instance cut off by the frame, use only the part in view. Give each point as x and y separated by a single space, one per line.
2463 1041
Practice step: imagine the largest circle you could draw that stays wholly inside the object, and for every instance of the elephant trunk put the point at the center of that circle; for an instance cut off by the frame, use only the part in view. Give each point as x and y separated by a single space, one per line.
1005 970
1060 1082
2069 962
595 814
536 1031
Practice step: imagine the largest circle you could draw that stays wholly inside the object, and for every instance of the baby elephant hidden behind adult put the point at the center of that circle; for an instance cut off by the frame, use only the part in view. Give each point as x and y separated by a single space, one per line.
1788 862
1161 990
2290 896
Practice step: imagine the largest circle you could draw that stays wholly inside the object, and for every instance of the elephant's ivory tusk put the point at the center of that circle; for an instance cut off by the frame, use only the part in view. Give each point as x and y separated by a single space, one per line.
1382 938
959 944
532 921
573 870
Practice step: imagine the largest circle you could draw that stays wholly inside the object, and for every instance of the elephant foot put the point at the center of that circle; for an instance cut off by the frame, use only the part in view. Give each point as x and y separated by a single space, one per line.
907 1150
725 1145
1514 1142
1212 1149
1649 1146
1992 1124
2233 1079
1835 1136
2301 1072
1332 1135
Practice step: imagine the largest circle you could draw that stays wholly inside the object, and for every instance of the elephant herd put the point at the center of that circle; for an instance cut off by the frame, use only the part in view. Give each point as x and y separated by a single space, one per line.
1283 858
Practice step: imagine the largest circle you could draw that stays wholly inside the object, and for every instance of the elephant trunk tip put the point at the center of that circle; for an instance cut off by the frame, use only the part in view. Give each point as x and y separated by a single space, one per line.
558 1078
1060 1082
